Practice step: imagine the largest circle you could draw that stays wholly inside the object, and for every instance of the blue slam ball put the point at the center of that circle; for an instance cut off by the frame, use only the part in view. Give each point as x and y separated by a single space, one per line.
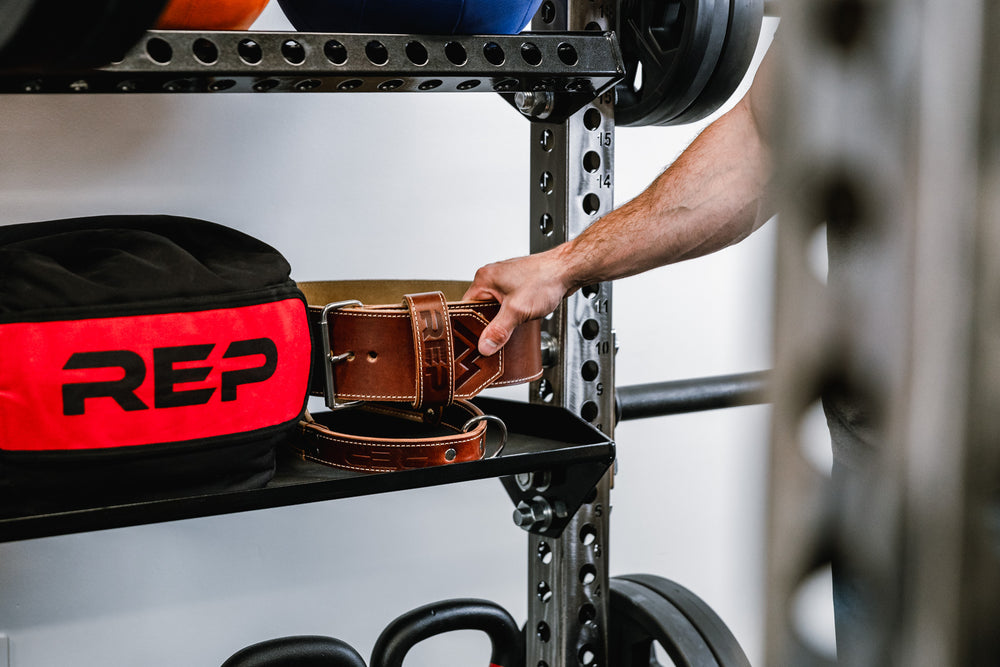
435 17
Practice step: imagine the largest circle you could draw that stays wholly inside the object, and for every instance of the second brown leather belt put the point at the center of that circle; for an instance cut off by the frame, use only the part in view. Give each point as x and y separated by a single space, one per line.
406 351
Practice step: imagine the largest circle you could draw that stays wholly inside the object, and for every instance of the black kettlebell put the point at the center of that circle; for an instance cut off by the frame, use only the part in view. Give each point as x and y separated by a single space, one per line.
446 616
299 651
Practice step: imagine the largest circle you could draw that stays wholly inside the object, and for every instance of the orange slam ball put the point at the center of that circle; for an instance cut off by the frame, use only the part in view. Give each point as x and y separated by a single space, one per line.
210 14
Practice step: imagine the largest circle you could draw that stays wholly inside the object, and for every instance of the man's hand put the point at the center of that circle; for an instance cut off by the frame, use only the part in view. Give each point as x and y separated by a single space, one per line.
527 288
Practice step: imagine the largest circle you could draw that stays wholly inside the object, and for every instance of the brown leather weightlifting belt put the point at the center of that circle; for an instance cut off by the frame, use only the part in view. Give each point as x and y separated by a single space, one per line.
407 352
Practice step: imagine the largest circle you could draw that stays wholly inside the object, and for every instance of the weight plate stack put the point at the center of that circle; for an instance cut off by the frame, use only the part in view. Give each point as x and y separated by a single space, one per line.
683 58
646 610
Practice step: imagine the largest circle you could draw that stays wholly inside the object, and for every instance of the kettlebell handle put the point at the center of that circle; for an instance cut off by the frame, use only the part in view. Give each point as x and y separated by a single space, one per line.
297 651
446 616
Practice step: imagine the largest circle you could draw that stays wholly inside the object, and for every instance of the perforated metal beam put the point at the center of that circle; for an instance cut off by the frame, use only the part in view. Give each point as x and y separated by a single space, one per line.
571 181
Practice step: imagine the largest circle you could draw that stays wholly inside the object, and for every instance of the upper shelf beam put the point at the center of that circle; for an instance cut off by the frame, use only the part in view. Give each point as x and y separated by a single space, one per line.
579 64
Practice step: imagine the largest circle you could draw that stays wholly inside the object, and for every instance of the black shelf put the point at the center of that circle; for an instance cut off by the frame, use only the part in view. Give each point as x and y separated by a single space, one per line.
541 438
579 63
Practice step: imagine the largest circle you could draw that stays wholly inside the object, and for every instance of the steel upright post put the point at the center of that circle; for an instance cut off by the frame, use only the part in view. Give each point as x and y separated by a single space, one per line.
572 179
885 134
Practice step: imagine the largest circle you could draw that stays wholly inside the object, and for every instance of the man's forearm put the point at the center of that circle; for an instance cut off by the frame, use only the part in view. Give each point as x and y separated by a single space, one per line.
710 198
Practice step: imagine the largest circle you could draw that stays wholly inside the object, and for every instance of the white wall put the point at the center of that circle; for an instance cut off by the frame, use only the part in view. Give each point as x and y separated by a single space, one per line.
345 186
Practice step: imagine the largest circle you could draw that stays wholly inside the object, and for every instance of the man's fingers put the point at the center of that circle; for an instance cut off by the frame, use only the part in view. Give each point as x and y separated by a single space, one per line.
498 332
476 293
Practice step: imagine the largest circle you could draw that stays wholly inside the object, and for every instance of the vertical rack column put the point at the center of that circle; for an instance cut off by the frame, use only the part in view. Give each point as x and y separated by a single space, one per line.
887 129
572 166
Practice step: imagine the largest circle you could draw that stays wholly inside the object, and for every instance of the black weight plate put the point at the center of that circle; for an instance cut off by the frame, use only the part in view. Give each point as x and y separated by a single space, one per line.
745 20
675 45
698 70
639 617
714 630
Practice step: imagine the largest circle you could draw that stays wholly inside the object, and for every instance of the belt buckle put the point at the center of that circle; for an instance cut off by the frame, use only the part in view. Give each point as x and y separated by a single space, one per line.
329 390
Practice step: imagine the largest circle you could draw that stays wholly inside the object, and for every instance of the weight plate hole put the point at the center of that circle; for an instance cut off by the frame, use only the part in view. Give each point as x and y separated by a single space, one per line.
544 553
159 50
455 53
494 54
335 52
591 204
350 84
430 84
205 51
588 613
637 78
592 119
588 534
588 574
531 54
667 29
567 54
249 51
376 52
590 370
543 632
293 52
544 591
391 84
308 84
417 53
590 329
591 161
469 85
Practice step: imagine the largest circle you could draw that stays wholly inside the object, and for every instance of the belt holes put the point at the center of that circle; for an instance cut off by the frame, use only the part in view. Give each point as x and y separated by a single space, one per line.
372 356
